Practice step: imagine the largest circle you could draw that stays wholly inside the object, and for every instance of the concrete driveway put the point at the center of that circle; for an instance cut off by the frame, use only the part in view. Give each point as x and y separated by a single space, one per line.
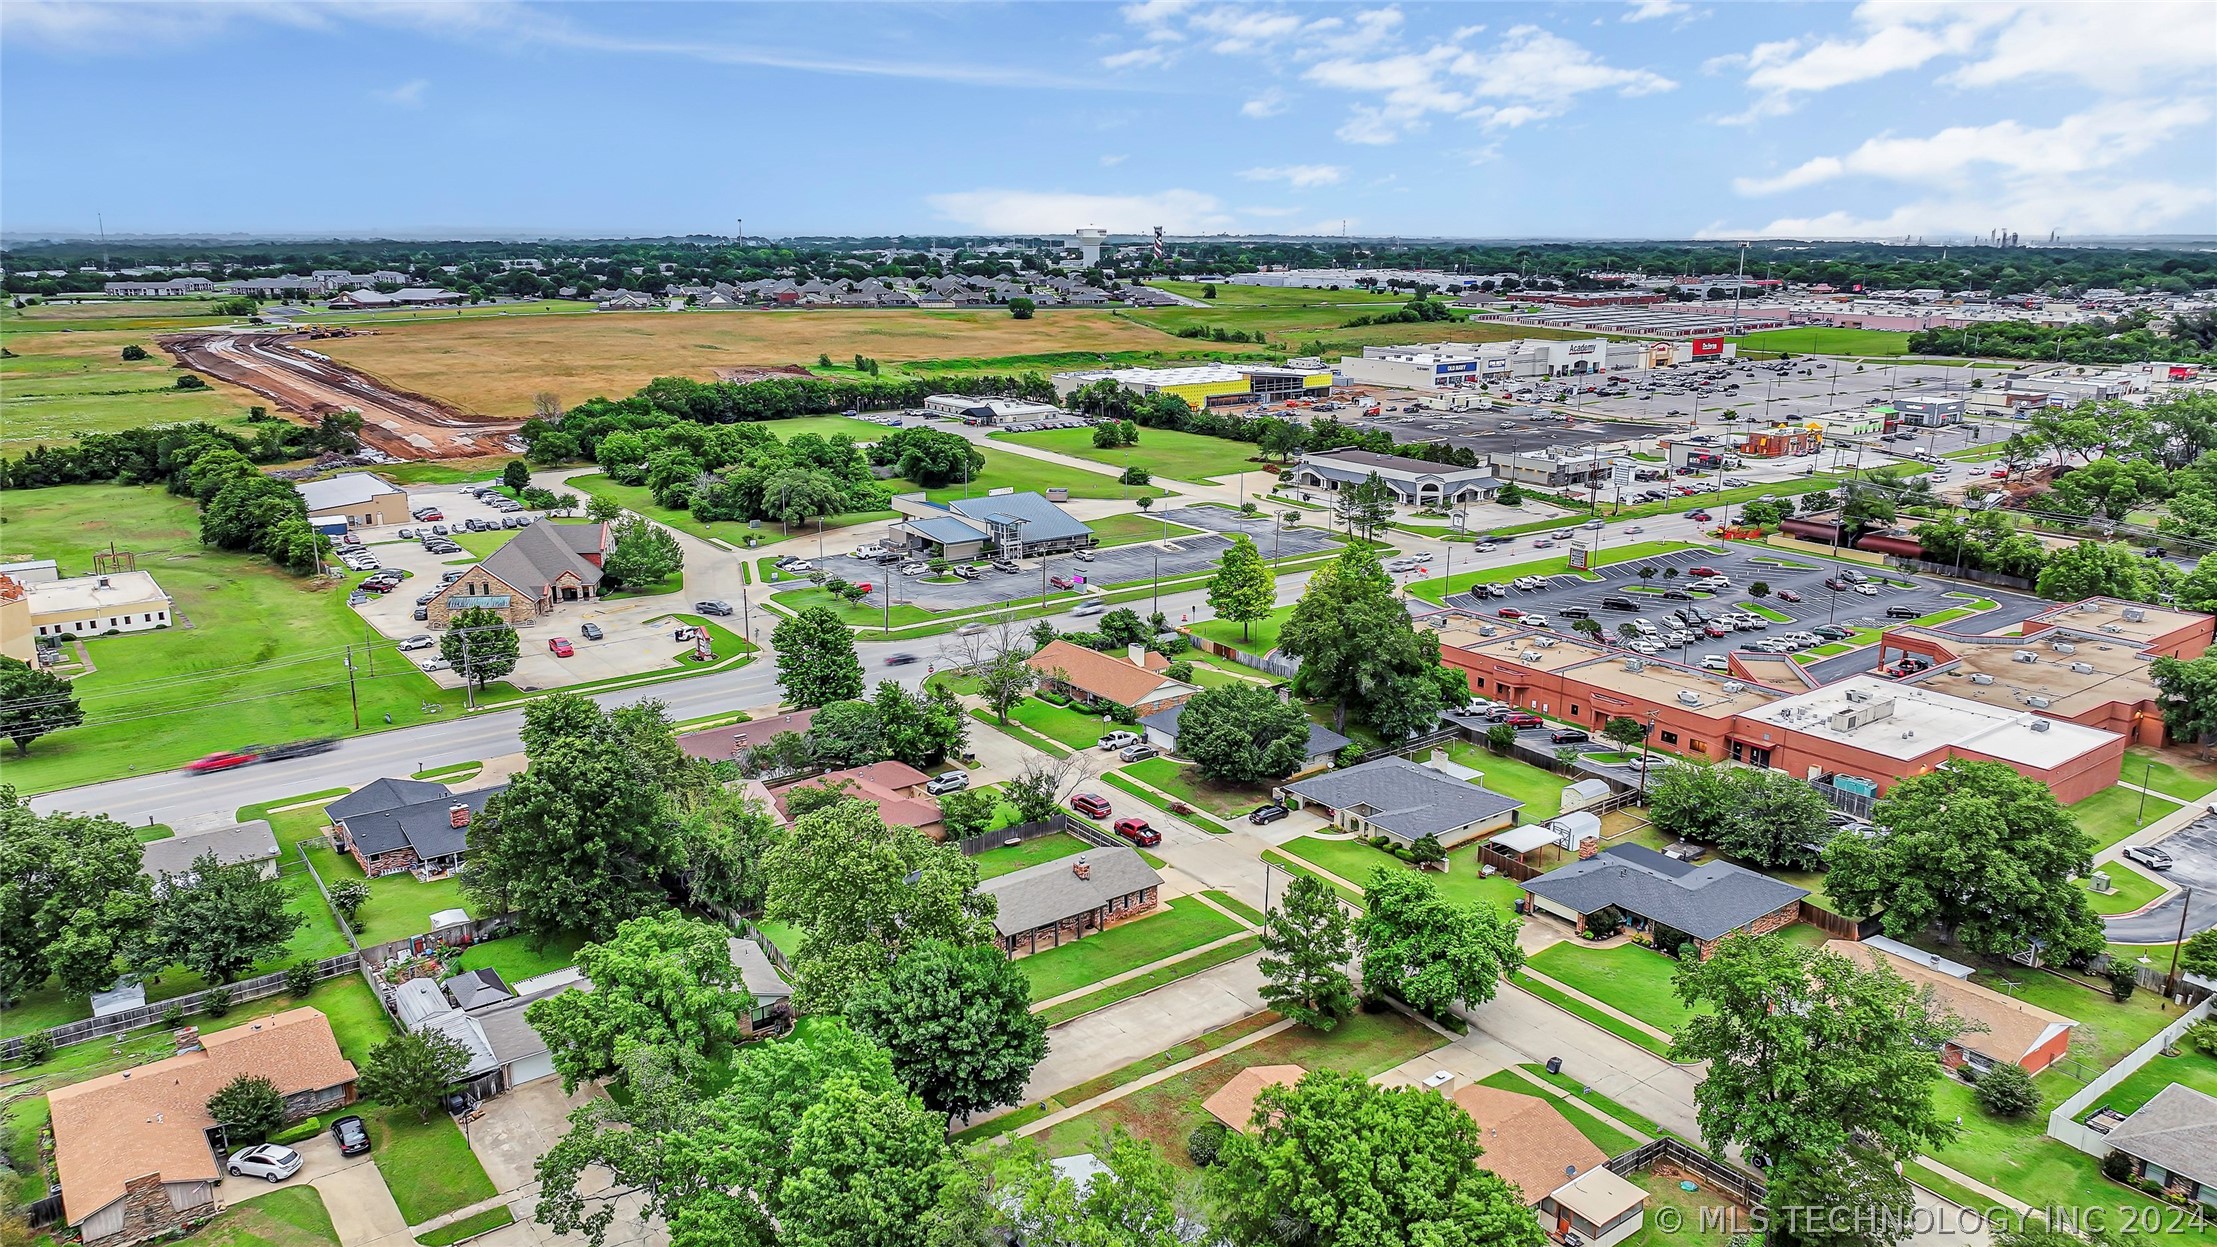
519 1127
361 1205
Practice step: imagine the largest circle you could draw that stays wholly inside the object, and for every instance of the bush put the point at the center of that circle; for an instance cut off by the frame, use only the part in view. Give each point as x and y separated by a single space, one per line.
1605 923
36 1048
2117 1167
1204 1144
2124 976
134 353
191 381
306 1129
1182 672
300 978
216 1001
1136 475
173 1017
2007 1091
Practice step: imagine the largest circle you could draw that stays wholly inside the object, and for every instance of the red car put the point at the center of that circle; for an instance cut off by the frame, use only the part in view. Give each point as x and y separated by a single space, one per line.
1788 595
864 585
561 647
1510 612
1138 832
221 761
1522 719
1702 516
1999 474
433 516
1090 804
1061 582
1701 571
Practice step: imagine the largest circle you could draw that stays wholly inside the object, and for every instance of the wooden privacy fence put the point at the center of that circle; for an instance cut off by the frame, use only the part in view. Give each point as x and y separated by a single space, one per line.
195 1002
1737 1184
1015 833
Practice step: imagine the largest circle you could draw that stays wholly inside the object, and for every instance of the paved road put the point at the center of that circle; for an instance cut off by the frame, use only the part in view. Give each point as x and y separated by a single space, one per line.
2193 848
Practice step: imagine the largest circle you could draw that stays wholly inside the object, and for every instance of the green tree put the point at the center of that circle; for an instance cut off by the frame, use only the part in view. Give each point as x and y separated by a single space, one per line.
249 1108
2189 687
1510 494
481 644
415 1069
815 658
1338 1162
347 898
1021 308
1849 1198
968 813
2006 1090
1775 821
2199 956
72 900
640 553
664 981
1132 1202
862 893
923 728
515 474
2093 569
601 509
958 1024
1428 951
1980 849
1624 731
134 353
1693 801
848 733
1243 734
218 919
34 703
1305 944
1244 588
1359 651
1367 505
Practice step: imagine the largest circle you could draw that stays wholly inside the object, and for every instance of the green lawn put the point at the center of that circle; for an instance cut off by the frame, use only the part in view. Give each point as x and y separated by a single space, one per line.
1006 469
993 863
2190 1068
515 958
59 382
2145 768
1353 861
1627 977
1186 784
1823 340
1173 929
1611 1141
399 905
1138 984
293 1216
1594 1017
1129 529
1576 1087
785 935
1258 636
1072 728
2129 890
2115 813
1229 296
468 1227
1540 790
428 1165
24 1118
1766 612
1164 452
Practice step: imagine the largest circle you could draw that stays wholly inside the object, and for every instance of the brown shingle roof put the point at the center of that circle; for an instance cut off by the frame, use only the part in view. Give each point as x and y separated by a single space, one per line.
154 1119
1105 675
2012 1028
1527 1141
1234 1102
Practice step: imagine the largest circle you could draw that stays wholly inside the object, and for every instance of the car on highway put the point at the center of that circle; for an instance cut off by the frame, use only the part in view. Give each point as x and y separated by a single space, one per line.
269 1161
222 761
903 659
948 781
421 640
1091 804
294 749
2147 855
1138 832
560 646
1089 608
1267 814
713 606
351 1135
1634 531
591 631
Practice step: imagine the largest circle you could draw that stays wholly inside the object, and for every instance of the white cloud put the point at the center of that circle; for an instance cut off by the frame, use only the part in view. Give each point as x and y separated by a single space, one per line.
1529 75
1135 58
1649 10
408 94
2111 47
1300 177
1000 211
2033 205
1110 162
1368 126
1268 104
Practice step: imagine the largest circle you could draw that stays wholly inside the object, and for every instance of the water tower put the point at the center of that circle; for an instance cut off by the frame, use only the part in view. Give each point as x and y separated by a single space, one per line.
1087 240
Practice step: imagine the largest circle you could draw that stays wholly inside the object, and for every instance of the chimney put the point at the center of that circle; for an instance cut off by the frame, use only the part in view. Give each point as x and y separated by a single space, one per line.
458 815
1588 848
1080 869
1138 654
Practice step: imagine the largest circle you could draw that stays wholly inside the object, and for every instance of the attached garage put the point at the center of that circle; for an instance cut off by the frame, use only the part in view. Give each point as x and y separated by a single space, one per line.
530 1069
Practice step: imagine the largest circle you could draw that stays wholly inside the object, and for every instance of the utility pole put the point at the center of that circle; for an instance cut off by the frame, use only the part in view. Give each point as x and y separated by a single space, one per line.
351 694
2171 981
469 697
1738 282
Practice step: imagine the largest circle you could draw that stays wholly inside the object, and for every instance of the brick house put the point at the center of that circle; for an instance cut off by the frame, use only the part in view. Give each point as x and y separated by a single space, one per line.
1997 1029
894 787
543 566
1707 902
1135 679
1070 897
393 826
136 1152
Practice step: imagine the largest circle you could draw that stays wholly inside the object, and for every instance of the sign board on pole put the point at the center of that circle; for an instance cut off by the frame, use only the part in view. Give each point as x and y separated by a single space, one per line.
1621 473
1579 554
704 650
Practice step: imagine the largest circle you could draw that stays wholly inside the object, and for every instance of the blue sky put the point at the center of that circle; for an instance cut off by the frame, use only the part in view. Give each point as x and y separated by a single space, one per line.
1654 118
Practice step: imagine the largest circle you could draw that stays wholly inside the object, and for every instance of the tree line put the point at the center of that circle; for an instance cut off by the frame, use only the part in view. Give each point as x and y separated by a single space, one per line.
157 453
2127 339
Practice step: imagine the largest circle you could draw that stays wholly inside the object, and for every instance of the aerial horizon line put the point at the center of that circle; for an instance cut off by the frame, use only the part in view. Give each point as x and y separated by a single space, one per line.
27 237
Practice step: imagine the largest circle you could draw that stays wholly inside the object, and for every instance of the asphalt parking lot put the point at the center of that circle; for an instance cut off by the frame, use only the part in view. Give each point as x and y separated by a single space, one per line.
2193 850
1819 605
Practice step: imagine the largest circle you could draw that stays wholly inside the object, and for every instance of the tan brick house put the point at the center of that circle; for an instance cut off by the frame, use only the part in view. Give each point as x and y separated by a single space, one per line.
391 826
1135 679
542 567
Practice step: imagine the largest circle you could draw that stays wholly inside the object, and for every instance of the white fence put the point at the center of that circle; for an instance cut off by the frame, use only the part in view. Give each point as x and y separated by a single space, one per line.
2062 1123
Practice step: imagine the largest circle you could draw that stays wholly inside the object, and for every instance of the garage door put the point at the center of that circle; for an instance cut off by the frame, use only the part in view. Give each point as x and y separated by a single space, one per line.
531 1069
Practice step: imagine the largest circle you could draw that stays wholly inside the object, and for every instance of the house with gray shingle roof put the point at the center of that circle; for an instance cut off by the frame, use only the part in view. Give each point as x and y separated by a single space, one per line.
1707 902
1085 893
1395 797
240 842
2172 1141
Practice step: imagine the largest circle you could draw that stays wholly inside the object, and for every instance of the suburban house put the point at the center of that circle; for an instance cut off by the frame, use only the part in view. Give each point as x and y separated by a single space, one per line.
895 788
722 744
136 1152
541 567
1998 1029
773 996
240 842
395 825
480 1012
1234 1102
1395 797
1071 896
421 1005
1015 526
2172 1141
79 606
360 499
1528 1141
1707 902
1323 745
1414 482
1135 680
1597 1206
413 296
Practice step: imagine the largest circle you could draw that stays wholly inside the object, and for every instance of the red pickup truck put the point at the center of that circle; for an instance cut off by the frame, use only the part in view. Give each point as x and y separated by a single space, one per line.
1138 832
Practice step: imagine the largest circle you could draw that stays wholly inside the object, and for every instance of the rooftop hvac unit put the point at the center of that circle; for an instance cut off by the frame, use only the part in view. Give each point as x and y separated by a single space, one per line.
1734 687
2039 703
1485 629
2113 629
1909 733
2063 647
2083 668
2134 614
1530 655
1634 664
2090 606
2024 655
1858 694
1982 678
1543 641
1687 696
2041 725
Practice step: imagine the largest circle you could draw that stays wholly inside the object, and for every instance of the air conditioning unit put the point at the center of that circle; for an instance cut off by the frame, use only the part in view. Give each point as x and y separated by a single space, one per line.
2063 647
2042 725
1858 694
2024 655
1544 642
2113 629
1634 664
2134 614
2083 668
1688 697
1530 655
2090 607
1982 678
2039 703
1734 688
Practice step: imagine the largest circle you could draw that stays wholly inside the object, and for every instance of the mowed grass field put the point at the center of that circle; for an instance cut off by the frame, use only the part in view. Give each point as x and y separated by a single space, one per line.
495 364
1164 452
59 383
1821 340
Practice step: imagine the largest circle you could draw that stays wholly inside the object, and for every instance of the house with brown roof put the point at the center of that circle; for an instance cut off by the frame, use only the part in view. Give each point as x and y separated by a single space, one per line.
543 566
1133 679
1527 1140
895 788
137 1153
1997 1029
1234 1102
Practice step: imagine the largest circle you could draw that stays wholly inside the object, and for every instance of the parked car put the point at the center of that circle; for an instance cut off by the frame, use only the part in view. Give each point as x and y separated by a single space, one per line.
1522 718
914 569
1835 584
2147 855
435 664
1902 610
421 640
352 1136
560 646
422 614
1138 832
1139 752
1090 804
1788 595
713 606
1116 740
1833 632
1869 591
950 781
1083 556
1267 814
222 761
264 1160
1568 736
591 631
1008 566
1061 582
1715 662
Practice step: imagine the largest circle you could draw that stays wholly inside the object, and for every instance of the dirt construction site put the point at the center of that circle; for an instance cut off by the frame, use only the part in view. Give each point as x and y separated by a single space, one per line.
307 383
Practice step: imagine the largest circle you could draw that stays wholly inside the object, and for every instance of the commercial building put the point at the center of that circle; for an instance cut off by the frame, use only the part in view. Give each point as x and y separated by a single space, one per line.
542 567
1707 902
414 296
1008 524
1395 797
359 498
1713 321
1414 482
143 289
1207 385
1929 413
79 606
1554 467
987 411
1452 365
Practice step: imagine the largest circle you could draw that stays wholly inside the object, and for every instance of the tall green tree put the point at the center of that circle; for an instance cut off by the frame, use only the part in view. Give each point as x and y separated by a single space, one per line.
920 728
249 1108
2199 956
1338 1162
72 900
2093 569
957 1022
1358 650
664 980
1132 1202
1775 820
1979 849
415 1069
481 644
1306 943
218 919
816 663
2189 688
640 552
1429 951
1243 734
515 474
1367 505
1244 589
1692 801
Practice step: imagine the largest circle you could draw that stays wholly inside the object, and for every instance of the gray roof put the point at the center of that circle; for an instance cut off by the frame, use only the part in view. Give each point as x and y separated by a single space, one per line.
472 989
536 556
1044 521
1371 461
427 826
2177 1130
1322 740
1398 796
345 489
763 981
508 1032
240 842
383 794
1051 891
946 530
1706 901
418 999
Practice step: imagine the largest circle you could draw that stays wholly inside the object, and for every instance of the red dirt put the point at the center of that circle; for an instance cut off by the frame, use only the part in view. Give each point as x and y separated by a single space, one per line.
306 383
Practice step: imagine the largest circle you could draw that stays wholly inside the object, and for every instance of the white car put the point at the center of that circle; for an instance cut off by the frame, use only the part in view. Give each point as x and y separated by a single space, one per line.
1089 608
264 1160
1643 646
1715 662
421 640
1869 591
950 781
1535 621
436 664
914 569
1116 740
1485 547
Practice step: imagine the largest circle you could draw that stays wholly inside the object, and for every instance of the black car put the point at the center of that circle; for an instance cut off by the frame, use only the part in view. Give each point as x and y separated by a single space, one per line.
423 614
1618 604
298 749
1266 814
352 1136
590 631
1902 611
1678 595
1567 736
